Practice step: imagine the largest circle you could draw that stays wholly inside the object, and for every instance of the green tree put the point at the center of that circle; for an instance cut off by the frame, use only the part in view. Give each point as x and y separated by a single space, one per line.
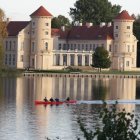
136 31
116 125
59 21
94 11
3 34
101 58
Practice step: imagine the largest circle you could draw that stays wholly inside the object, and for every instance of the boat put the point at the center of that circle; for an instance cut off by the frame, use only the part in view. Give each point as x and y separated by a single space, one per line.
54 102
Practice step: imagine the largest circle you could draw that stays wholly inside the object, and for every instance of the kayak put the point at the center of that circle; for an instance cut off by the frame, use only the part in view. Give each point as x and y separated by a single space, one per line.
54 102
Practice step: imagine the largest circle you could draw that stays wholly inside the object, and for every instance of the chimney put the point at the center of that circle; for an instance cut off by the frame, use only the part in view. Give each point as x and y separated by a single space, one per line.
89 24
80 24
109 24
102 24
63 28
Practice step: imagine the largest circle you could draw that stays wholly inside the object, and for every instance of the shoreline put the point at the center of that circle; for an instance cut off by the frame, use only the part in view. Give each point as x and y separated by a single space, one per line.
88 75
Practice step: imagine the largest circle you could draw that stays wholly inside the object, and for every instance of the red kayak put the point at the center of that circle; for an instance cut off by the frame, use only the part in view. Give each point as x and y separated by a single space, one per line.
55 103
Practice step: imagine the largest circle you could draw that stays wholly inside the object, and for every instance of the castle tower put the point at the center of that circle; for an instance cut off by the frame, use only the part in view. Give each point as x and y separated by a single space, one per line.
125 43
41 41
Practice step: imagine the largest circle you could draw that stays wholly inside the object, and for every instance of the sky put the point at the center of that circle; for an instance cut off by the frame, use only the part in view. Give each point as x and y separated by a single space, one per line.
20 10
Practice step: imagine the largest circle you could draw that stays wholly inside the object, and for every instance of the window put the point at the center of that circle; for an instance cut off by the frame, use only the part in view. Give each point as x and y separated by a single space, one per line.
33 32
9 59
47 24
127 63
13 59
133 49
33 62
116 35
90 46
82 46
71 46
46 45
110 48
74 46
64 46
14 45
33 23
59 46
128 48
5 59
78 46
116 27
94 47
10 45
33 46
67 47
86 47
46 33
128 27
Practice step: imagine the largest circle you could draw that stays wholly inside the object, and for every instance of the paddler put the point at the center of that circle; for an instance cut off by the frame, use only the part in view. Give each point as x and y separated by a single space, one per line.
51 99
45 99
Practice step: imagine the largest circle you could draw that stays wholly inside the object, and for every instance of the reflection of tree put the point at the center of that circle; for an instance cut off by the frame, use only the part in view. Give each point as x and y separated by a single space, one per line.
138 90
99 90
1 88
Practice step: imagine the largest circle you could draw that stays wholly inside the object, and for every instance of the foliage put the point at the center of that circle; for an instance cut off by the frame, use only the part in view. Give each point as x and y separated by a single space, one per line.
3 34
137 27
116 126
59 21
136 31
94 11
101 58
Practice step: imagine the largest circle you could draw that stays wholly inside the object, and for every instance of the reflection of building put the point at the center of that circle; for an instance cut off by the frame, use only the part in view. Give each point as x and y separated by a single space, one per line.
123 88
36 45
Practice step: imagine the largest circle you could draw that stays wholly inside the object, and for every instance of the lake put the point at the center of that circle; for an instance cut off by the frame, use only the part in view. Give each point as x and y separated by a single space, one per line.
21 119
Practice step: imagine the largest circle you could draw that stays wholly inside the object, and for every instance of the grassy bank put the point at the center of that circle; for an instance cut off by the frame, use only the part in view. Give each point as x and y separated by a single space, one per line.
10 72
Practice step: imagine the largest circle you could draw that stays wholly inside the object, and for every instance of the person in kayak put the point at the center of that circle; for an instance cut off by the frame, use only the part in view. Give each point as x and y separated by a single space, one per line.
68 98
45 99
56 99
51 99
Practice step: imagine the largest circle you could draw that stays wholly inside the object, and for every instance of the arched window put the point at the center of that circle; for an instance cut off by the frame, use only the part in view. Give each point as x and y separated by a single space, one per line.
46 45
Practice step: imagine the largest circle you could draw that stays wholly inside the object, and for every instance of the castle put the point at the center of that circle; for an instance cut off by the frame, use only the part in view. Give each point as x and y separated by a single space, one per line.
34 44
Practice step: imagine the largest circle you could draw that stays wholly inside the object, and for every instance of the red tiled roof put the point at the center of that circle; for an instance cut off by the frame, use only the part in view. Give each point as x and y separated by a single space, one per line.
88 33
14 27
124 15
55 32
41 11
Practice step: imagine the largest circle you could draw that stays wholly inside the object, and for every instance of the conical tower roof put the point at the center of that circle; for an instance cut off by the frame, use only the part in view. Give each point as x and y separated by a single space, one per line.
41 11
124 16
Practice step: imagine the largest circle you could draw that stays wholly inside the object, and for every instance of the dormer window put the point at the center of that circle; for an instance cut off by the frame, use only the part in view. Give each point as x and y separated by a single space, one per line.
46 45
33 23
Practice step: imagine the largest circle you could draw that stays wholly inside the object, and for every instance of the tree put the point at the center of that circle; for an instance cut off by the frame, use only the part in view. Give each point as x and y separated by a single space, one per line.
3 34
101 58
59 21
95 11
116 125
136 31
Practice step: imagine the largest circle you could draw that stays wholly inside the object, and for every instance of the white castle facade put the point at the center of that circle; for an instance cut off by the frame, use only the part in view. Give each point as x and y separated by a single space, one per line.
34 44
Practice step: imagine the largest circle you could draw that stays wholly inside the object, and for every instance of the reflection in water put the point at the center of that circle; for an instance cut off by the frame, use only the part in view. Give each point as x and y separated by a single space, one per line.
79 88
21 119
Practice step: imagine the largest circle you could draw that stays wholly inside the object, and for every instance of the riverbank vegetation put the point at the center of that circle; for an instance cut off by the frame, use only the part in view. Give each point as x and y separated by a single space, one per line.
115 125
